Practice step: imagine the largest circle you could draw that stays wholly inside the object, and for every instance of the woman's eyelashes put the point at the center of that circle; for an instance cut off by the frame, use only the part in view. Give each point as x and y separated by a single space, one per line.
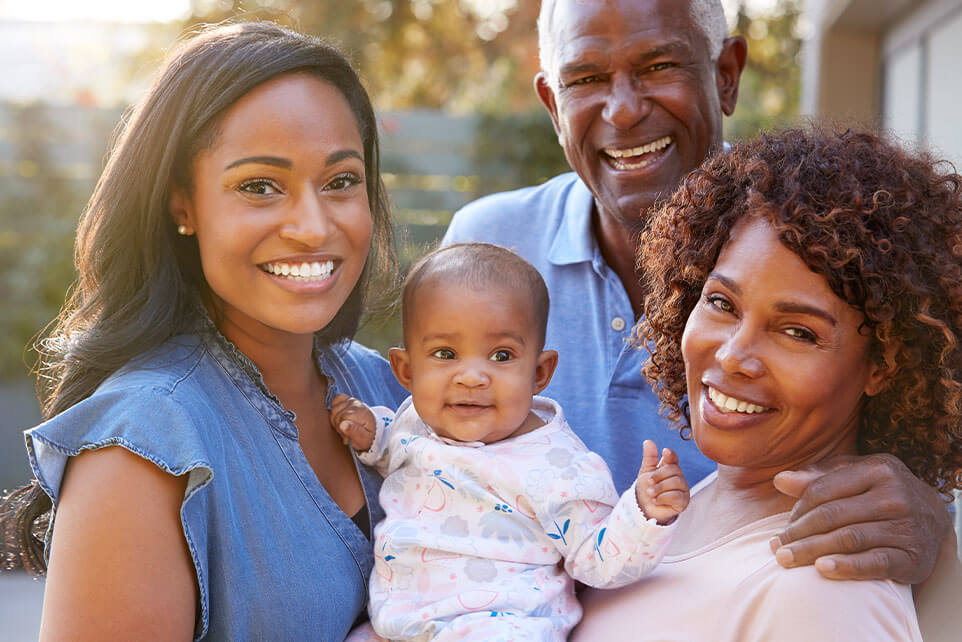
343 181
719 302
259 187
799 333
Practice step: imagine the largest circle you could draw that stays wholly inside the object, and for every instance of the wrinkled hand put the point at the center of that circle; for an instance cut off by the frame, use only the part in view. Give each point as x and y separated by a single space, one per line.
353 421
661 489
861 518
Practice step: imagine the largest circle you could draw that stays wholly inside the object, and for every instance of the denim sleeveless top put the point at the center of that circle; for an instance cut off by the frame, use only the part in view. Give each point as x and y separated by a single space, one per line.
275 557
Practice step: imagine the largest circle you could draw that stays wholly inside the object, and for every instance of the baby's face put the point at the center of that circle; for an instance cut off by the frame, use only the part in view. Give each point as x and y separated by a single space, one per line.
474 361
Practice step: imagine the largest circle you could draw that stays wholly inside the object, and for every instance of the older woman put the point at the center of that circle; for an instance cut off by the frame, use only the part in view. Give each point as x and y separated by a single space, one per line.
805 303
199 490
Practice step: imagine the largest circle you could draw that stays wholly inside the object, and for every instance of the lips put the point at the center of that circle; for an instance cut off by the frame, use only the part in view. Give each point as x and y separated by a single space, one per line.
630 158
469 407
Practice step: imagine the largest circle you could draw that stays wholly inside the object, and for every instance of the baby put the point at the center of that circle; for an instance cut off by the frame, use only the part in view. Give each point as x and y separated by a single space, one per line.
486 487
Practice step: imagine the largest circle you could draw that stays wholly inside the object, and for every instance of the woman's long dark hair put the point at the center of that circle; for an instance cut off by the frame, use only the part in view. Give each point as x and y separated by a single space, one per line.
138 280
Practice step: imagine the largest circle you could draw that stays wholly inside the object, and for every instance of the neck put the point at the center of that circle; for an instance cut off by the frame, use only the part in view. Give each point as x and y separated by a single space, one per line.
285 360
619 245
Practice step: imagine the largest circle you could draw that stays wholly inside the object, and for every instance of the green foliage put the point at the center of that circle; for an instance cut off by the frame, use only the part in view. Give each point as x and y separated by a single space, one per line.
38 215
516 150
771 83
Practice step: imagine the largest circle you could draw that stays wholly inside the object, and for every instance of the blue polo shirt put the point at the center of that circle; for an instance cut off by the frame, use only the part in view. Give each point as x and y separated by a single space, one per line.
598 381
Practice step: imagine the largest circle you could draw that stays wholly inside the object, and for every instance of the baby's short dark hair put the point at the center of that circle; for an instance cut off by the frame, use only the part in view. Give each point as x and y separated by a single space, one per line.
480 264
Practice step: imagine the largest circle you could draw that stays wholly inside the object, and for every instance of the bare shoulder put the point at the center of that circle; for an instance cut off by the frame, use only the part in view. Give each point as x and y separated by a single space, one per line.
119 563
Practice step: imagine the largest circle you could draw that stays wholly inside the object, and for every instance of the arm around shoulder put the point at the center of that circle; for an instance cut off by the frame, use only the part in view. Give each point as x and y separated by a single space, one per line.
119 563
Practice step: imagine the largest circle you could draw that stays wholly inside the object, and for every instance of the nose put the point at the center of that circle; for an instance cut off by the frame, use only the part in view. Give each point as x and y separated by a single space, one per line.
472 375
739 353
627 102
308 220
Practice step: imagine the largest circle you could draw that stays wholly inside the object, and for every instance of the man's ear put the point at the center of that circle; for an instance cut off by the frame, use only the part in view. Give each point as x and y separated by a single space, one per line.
182 209
728 72
401 366
881 373
544 369
542 87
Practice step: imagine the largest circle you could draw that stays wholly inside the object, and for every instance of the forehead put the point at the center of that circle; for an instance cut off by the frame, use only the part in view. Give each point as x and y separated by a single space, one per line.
755 258
294 106
439 300
618 27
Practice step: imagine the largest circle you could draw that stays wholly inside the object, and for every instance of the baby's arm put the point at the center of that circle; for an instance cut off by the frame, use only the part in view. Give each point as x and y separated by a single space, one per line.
661 489
607 541
354 422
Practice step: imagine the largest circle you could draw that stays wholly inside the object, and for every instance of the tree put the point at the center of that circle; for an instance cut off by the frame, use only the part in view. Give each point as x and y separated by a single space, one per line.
771 83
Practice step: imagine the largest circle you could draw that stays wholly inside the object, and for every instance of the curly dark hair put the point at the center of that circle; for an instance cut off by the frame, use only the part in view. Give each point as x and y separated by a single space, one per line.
881 223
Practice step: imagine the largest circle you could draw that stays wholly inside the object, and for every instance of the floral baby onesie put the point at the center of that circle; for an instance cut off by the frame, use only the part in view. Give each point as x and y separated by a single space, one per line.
473 534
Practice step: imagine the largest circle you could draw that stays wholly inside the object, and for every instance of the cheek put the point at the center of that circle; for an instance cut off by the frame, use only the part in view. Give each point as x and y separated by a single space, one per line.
358 224
693 339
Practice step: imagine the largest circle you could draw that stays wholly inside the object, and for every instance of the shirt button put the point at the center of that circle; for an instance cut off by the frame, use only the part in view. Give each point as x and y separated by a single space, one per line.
617 324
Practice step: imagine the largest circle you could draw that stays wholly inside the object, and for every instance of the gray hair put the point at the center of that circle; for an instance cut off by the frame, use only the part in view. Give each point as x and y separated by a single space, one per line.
707 15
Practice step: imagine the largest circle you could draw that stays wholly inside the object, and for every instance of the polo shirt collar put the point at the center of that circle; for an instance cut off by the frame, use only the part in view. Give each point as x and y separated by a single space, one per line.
574 240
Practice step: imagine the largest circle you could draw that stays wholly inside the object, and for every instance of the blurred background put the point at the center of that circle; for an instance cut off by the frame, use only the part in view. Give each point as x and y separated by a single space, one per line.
452 83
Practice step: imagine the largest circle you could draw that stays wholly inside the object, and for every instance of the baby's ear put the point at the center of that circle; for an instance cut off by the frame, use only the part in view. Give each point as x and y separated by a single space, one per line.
544 370
401 366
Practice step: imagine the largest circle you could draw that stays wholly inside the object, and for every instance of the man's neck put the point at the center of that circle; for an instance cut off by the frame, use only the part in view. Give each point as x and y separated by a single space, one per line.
618 246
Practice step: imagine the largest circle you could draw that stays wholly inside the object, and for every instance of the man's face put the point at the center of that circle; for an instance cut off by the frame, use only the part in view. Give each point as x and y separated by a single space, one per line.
637 101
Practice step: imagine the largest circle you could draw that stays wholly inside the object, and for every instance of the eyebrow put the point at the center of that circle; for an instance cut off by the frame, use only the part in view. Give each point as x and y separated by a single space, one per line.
447 336
677 48
285 163
785 307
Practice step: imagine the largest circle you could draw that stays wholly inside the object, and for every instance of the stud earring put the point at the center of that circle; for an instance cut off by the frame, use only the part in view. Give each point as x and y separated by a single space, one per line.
182 230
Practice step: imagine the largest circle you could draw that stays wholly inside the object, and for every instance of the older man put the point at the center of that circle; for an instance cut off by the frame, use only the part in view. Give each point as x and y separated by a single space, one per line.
637 90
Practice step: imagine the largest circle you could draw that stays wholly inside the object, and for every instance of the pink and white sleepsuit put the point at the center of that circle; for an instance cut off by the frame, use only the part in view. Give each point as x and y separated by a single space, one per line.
474 533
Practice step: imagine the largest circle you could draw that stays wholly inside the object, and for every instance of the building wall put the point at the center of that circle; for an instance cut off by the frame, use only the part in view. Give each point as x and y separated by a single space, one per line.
897 63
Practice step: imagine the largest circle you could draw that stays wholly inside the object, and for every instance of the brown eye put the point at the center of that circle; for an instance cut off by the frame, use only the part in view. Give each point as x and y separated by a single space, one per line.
344 181
260 187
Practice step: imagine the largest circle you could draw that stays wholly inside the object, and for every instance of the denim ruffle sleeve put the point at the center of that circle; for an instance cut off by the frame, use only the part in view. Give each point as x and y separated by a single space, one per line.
149 423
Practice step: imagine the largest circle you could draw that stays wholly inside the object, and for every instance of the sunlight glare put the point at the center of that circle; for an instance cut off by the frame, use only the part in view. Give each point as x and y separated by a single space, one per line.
95 10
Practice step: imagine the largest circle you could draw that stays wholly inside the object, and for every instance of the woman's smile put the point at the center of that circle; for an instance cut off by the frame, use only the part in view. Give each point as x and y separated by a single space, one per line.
280 208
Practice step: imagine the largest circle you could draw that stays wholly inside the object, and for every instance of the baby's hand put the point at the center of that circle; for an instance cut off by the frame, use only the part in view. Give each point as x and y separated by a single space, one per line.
353 421
661 489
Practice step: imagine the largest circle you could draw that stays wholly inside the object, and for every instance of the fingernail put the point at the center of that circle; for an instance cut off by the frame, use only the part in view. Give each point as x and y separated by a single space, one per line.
784 556
825 564
774 543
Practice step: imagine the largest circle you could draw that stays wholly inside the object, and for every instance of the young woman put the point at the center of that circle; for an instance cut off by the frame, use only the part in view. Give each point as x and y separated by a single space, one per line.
198 489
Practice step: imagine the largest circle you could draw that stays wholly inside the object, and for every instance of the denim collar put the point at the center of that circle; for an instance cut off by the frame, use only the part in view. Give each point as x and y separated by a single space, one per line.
248 378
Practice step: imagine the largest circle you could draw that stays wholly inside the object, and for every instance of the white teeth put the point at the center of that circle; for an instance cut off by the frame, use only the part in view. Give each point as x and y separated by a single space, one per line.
730 404
316 271
654 146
